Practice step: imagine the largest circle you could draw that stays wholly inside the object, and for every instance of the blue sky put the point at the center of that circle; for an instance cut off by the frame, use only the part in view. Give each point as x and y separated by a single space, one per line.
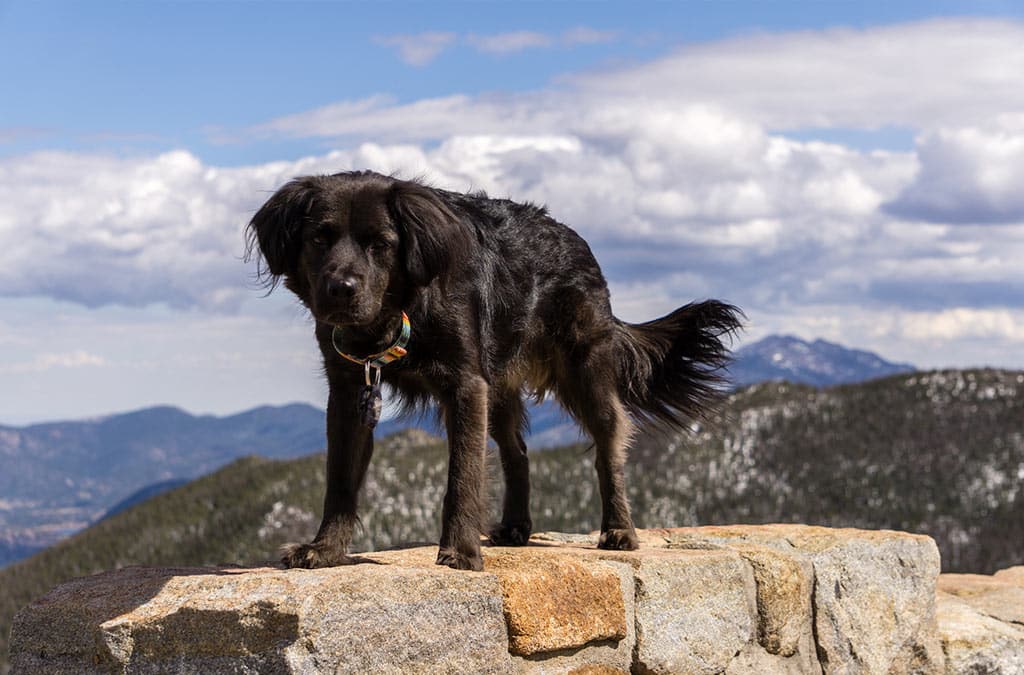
846 170
151 76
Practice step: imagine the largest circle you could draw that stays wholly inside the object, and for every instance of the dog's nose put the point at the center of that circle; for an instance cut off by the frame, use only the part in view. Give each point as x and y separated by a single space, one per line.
342 288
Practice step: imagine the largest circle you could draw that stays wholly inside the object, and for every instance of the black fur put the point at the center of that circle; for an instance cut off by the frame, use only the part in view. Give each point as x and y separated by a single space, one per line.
503 300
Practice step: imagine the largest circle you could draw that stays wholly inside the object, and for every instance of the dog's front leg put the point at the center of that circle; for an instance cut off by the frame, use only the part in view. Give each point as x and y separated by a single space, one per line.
463 515
349 448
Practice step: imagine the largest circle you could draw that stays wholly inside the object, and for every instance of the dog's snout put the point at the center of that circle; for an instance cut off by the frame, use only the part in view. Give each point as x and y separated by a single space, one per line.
343 287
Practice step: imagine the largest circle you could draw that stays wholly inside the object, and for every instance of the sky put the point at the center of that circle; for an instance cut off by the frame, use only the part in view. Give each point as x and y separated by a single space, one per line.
850 171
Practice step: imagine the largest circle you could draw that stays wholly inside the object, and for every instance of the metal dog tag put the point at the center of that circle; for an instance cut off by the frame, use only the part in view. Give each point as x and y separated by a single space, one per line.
370 402
370 399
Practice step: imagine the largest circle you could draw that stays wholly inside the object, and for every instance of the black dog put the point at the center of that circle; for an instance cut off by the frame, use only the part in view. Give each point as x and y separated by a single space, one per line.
501 299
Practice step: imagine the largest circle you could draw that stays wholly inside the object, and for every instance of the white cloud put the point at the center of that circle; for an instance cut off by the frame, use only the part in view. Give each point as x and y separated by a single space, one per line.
927 75
514 41
674 171
419 49
941 72
522 40
43 362
98 229
65 361
958 323
967 175
761 217
582 35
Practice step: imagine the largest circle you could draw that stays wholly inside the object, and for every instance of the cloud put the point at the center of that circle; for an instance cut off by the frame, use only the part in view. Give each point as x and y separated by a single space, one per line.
69 361
419 49
957 323
682 192
753 216
583 35
19 134
515 41
944 73
966 176
97 230
44 362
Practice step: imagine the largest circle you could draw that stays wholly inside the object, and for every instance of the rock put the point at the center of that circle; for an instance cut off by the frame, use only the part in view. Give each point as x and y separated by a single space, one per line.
695 611
739 600
975 643
1011 575
981 621
873 596
554 602
361 618
784 585
987 595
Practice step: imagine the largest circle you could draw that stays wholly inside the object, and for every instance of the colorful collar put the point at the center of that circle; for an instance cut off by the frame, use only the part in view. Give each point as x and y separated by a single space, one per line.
381 359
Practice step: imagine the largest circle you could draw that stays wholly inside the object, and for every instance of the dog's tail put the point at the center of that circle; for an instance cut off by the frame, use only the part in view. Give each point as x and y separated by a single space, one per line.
672 369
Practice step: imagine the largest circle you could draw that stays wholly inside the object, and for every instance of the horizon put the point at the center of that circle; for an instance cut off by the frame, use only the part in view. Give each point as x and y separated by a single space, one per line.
388 416
841 171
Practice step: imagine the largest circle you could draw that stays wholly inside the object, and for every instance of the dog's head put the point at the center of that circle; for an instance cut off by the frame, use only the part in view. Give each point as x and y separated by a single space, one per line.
353 246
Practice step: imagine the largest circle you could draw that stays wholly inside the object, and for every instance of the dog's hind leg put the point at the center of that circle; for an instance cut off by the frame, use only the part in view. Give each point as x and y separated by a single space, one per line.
506 423
592 396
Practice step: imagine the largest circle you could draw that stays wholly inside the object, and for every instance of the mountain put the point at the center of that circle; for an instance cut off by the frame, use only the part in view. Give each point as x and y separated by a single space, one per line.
60 477
940 453
818 363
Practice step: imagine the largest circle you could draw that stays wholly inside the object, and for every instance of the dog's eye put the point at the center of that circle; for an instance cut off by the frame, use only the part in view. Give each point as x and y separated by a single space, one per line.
380 247
319 239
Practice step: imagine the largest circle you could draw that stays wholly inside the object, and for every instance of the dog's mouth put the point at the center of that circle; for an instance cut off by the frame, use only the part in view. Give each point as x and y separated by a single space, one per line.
348 317
343 319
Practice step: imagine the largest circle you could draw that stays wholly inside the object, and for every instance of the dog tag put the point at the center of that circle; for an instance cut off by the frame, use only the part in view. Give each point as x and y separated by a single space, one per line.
370 398
370 402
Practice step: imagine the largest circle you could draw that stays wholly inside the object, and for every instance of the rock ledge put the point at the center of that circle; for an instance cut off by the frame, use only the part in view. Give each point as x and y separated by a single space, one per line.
738 599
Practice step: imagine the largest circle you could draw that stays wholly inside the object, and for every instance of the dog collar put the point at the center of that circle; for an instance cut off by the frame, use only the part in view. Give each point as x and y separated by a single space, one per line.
380 359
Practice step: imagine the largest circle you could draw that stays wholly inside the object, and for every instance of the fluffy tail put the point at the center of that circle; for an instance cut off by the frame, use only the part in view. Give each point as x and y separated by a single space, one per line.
672 369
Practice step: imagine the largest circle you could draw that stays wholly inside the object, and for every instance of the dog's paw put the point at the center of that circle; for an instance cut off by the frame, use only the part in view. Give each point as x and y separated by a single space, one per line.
311 556
619 540
511 534
459 561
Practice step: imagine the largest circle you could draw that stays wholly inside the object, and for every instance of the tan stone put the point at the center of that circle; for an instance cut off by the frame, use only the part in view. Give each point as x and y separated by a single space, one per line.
360 618
975 643
754 660
695 611
873 590
1011 575
554 602
784 586
988 595
608 656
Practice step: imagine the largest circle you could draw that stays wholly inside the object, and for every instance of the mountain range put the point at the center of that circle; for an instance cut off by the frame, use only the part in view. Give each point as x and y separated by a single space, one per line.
61 476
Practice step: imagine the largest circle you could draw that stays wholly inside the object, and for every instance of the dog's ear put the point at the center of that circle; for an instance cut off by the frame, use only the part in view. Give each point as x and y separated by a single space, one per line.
276 229
433 237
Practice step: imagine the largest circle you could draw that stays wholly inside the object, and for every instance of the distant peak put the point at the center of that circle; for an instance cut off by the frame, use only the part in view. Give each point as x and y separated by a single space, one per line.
819 362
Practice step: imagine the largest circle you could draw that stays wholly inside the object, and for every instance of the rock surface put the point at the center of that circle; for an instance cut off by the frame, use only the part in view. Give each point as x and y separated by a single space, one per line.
981 622
739 599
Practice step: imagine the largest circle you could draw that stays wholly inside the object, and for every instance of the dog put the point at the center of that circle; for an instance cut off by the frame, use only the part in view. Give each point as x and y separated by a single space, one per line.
472 302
